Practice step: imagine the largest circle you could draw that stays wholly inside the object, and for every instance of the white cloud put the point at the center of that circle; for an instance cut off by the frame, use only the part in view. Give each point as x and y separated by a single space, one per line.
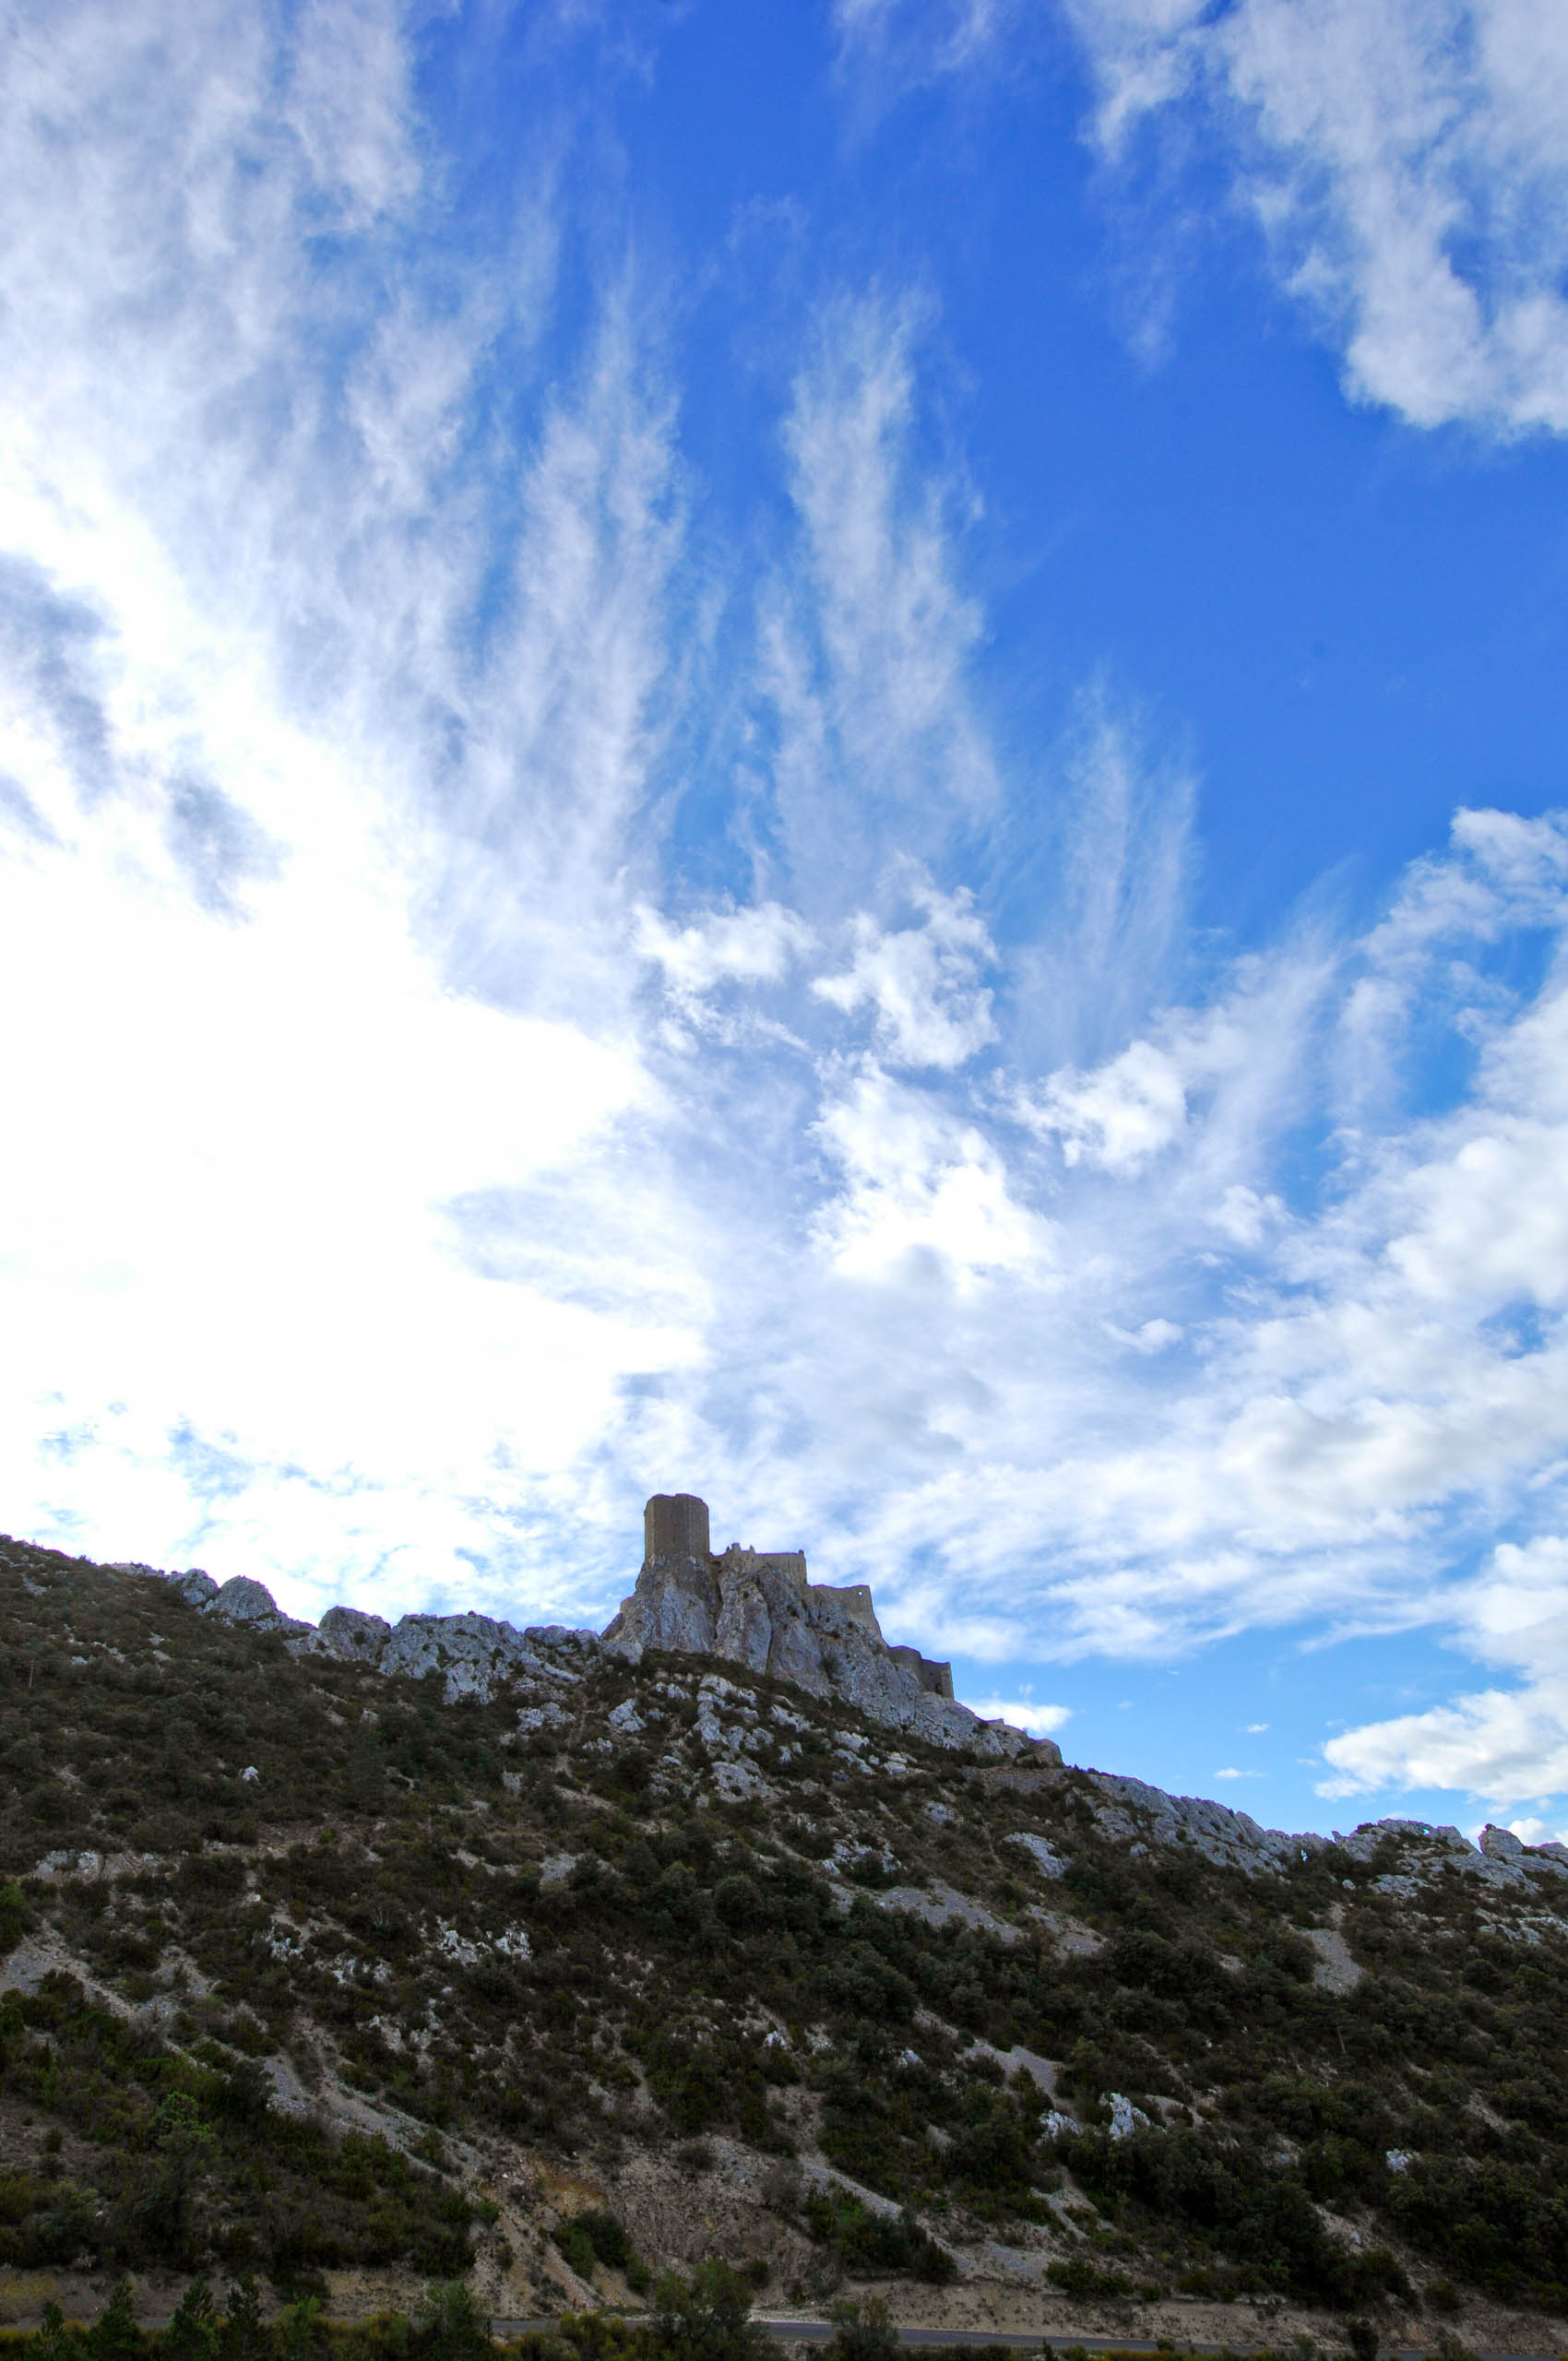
374 1232
888 48
1120 1116
869 636
275 804
921 981
1233 1061
745 946
952 34
919 1184
1244 1216
1041 1721
1154 1336
1407 164
1110 858
1504 1745
1495 1743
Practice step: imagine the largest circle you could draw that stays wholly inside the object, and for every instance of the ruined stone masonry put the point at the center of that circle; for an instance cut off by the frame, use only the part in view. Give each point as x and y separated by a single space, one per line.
754 1607
757 1609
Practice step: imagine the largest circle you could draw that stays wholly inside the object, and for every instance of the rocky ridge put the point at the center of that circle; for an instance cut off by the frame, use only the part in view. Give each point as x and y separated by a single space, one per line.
758 1610
605 1922
754 1609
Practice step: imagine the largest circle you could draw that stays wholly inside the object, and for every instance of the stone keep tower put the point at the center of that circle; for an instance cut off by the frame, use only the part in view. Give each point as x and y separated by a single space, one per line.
675 1530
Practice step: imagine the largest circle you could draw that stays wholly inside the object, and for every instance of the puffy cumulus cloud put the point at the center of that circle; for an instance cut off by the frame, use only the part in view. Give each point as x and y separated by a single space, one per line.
921 981
1214 1077
727 946
1041 1721
1492 1218
1134 1107
1504 1745
1493 1743
1407 165
920 1185
1367 1381
1154 1336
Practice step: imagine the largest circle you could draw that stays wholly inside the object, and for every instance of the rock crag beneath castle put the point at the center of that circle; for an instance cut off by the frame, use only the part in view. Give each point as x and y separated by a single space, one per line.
756 1608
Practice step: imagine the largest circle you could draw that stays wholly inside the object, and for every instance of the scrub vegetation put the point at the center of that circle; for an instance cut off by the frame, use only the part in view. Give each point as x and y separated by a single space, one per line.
244 1894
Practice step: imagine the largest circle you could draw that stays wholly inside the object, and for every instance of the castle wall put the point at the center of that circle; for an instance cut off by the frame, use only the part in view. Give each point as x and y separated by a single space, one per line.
788 1564
852 1600
937 1680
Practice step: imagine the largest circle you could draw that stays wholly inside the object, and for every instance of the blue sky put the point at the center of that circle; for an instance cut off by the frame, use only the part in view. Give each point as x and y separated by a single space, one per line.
816 752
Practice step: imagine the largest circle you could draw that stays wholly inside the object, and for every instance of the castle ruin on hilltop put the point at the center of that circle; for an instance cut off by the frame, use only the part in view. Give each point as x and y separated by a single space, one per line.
757 1609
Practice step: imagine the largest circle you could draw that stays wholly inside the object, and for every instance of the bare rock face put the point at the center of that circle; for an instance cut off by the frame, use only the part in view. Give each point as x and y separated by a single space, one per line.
195 1588
241 1600
475 1654
1138 1816
354 1635
753 1606
757 1609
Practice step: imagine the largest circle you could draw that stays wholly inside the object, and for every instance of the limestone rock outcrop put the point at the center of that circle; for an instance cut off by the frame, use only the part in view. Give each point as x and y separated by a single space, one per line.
1138 1816
1422 1853
757 1609
243 1600
475 1656
754 1607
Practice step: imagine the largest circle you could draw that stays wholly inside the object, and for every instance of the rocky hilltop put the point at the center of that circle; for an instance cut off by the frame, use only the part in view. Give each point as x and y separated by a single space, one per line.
752 1607
357 1955
756 1608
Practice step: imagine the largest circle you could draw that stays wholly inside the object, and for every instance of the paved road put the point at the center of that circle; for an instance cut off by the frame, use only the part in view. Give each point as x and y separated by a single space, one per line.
797 2331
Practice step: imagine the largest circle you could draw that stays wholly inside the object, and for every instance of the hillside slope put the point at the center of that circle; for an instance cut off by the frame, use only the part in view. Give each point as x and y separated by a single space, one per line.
315 1969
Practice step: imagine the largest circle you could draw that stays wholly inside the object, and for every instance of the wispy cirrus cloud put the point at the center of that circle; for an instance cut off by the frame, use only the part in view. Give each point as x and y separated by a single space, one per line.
870 637
1407 166
423 1163
900 44
921 981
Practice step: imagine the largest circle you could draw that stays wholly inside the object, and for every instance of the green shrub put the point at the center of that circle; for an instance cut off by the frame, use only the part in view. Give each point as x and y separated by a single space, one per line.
1085 2281
450 2326
863 2331
114 2335
192 2333
874 2244
707 2318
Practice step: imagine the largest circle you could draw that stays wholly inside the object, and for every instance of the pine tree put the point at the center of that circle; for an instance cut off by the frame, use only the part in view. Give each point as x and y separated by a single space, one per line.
244 2335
